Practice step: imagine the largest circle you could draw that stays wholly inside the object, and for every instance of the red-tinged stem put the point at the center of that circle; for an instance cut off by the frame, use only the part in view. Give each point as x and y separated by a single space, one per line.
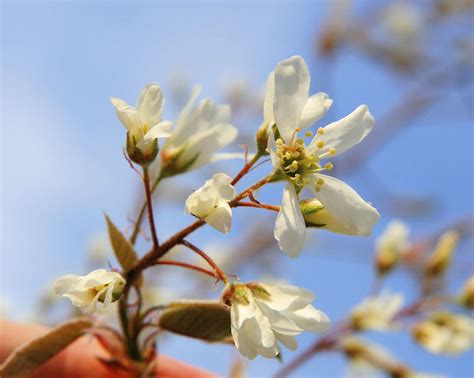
245 169
258 205
151 220
188 266
218 272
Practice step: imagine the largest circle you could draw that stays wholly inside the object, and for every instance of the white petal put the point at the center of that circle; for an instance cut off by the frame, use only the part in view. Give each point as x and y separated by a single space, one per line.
65 283
291 94
287 341
310 319
289 226
356 216
118 103
268 100
345 133
315 108
272 149
129 117
286 297
161 130
203 144
241 312
220 218
150 104
220 156
221 182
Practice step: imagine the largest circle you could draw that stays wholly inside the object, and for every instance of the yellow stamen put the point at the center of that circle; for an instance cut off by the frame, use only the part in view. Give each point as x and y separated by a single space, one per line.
320 131
320 144
328 166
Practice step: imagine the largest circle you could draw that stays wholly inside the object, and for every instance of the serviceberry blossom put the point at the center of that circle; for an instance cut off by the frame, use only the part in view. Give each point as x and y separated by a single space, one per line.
287 110
211 202
377 312
93 291
445 333
263 316
143 123
200 131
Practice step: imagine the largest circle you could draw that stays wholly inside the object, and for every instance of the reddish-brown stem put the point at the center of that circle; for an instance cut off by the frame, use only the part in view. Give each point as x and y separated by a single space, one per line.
245 169
151 220
258 205
220 274
188 266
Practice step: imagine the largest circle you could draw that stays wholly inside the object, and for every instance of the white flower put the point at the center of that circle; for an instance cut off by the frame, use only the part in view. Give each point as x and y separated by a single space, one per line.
288 106
390 246
394 237
143 122
199 133
94 291
445 333
403 20
210 202
262 316
377 313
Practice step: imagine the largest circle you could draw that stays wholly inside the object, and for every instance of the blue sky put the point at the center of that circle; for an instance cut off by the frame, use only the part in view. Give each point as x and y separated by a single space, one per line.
62 161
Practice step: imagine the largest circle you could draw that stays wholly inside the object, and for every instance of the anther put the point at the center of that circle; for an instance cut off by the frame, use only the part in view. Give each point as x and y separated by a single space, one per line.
319 181
320 131
308 134
332 151
328 166
320 144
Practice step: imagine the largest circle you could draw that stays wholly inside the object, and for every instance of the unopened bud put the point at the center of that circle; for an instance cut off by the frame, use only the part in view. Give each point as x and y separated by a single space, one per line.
389 246
466 297
440 259
314 213
262 139
139 152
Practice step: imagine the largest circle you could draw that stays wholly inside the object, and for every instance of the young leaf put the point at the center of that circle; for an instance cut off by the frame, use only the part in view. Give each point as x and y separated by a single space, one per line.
123 250
24 360
205 320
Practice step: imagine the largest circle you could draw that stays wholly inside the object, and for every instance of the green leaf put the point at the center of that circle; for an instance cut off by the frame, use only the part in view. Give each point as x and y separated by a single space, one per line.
205 320
123 250
25 359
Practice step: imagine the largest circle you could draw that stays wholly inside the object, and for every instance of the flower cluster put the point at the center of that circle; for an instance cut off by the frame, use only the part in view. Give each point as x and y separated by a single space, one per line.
260 317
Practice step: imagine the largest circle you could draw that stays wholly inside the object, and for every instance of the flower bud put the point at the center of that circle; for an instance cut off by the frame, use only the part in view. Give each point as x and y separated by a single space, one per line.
262 139
440 258
144 154
389 246
466 297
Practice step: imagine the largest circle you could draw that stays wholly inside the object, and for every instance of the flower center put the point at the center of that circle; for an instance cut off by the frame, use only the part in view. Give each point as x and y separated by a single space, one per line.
297 163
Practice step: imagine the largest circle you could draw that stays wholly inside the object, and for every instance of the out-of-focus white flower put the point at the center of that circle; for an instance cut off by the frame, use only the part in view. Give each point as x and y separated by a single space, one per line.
210 202
288 106
369 360
99 247
96 290
403 20
466 296
376 313
445 333
262 316
199 133
440 259
390 245
143 123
